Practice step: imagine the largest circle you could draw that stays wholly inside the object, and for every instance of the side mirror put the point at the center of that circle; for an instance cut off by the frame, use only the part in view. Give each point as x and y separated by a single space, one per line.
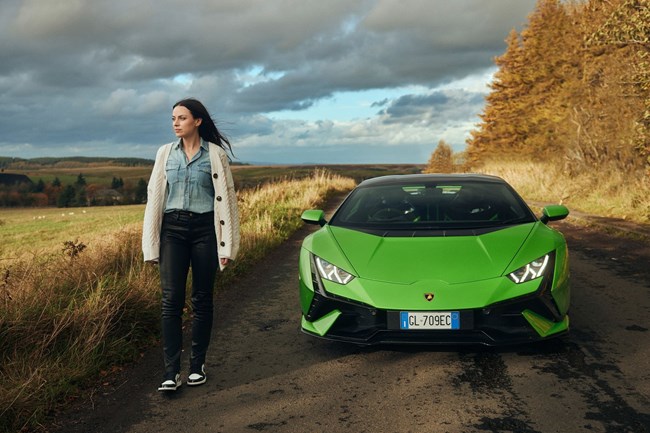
554 212
314 217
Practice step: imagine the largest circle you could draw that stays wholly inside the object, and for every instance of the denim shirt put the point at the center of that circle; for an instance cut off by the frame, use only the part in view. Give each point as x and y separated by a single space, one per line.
189 184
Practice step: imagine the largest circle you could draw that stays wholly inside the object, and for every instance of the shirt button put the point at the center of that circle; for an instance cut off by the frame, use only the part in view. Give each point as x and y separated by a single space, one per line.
215 175
223 244
218 198
222 222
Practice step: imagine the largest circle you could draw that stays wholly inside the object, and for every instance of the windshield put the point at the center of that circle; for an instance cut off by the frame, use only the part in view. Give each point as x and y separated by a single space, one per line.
432 206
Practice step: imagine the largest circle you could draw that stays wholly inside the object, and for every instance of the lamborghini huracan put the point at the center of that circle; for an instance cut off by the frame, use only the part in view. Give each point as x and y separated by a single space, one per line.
435 259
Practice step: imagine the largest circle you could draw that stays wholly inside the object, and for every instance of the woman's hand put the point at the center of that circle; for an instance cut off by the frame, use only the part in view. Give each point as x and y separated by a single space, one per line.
224 261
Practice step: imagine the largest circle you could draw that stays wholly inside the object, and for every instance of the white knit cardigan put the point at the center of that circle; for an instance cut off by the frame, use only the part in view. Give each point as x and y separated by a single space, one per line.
226 214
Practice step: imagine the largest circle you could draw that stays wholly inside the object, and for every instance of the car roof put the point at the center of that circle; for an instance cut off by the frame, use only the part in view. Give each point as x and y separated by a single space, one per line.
401 179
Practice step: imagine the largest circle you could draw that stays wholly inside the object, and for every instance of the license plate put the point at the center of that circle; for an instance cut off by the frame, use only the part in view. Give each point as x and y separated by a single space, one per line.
429 320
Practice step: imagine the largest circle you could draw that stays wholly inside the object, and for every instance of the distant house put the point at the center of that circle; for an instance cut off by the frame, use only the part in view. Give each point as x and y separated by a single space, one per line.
107 196
14 179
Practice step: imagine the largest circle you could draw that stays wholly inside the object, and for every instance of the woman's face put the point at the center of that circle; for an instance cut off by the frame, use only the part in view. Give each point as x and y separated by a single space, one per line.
185 125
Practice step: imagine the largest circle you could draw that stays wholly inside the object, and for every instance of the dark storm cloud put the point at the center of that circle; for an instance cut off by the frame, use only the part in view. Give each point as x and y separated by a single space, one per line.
82 71
414 107
438 107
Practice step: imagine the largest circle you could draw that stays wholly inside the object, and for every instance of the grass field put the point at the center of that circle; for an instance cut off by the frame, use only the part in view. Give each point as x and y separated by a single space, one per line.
27 232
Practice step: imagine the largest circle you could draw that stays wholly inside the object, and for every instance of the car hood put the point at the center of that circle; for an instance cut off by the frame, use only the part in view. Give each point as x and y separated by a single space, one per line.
453 259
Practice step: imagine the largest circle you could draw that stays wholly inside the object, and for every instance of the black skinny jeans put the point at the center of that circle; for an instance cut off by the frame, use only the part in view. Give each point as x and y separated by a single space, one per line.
187 239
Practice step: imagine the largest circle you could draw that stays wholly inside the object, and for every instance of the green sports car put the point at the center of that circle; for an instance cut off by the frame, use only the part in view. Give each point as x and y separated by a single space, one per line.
443 259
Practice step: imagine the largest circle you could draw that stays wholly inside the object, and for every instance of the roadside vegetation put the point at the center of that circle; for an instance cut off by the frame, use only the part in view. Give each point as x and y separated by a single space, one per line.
608 192
69 315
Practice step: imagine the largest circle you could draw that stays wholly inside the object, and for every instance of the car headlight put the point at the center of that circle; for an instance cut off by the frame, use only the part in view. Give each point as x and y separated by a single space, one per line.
531 271
331 272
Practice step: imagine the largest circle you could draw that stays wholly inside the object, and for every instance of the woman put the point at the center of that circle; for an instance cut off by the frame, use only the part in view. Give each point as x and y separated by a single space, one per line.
191 220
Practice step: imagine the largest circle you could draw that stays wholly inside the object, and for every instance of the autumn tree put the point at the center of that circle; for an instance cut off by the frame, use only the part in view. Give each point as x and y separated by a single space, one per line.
572 87
500 132
549 66
619 66
441 160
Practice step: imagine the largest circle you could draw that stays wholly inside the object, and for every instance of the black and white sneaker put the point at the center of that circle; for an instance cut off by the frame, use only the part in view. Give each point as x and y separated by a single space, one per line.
171 384
197 377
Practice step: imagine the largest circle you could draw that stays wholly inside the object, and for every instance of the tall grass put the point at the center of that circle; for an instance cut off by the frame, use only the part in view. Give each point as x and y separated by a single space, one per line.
269 214
607 191
64 317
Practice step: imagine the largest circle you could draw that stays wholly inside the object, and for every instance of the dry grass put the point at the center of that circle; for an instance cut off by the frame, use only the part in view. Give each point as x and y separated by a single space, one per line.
269 214
65 316
609 191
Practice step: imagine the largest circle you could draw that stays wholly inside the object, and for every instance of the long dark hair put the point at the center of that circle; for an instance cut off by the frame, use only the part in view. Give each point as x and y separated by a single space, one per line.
207 129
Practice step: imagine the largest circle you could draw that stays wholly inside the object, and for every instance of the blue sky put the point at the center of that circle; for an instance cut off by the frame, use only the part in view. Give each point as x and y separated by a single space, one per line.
288 81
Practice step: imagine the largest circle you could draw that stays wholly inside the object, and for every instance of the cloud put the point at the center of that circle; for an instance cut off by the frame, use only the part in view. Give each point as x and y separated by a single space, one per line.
107 73
436 108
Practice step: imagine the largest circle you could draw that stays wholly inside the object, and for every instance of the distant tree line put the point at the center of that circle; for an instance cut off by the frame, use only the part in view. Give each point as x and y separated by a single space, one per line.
573 86
71 161
77 194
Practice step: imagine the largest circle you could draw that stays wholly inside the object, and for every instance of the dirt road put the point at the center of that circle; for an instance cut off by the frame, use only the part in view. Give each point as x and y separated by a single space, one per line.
265 376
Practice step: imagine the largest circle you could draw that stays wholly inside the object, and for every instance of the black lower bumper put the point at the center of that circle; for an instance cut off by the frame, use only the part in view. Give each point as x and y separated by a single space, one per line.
498 324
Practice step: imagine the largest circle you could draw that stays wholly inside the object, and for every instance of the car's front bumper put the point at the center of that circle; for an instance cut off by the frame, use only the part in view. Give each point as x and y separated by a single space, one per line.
525 319
533 311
